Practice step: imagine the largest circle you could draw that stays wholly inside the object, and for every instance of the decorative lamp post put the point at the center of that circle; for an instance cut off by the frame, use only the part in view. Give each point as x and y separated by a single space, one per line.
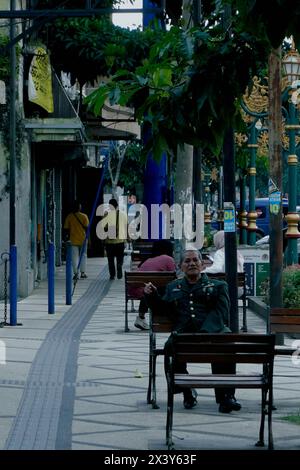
207 215
291 70
220 210
255 128
255 106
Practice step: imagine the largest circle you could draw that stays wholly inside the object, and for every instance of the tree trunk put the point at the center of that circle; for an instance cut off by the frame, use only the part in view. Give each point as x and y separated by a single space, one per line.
183 187
275 176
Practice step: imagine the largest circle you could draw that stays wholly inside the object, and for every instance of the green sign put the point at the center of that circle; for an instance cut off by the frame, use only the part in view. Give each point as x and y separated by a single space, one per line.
262 272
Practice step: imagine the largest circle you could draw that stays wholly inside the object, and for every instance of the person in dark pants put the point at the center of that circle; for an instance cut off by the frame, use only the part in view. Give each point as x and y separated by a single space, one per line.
197 305
160 260
75 228
115 224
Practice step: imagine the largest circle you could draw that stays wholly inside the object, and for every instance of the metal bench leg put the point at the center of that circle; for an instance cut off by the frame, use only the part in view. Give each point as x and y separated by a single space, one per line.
132 306
169 424
153 401
270 409
126 316
244 327
260 442
149 392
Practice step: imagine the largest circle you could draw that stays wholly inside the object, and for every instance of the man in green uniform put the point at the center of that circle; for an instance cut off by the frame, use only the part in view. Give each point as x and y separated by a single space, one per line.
200 305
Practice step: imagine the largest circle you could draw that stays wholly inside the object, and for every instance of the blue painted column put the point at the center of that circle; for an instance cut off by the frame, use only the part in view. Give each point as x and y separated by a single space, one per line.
51 277
69 274
13 291
155 176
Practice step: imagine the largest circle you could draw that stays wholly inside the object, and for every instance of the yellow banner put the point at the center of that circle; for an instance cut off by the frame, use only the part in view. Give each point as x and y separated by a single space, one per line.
40 80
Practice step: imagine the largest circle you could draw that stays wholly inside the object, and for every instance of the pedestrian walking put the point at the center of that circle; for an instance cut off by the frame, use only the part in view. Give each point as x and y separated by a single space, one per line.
75 226
114 223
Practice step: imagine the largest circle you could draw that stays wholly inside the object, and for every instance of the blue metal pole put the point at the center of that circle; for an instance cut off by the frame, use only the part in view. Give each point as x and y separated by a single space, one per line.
13 285
69 274
155 177
51 270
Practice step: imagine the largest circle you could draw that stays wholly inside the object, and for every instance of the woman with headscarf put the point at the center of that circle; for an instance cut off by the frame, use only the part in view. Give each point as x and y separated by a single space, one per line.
218 265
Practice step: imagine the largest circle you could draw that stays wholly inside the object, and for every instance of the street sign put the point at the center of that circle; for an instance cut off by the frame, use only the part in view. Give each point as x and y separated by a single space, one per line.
229 220
275 201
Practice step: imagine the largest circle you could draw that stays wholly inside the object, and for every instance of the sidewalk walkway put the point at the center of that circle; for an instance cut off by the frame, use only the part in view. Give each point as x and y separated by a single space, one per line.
76 380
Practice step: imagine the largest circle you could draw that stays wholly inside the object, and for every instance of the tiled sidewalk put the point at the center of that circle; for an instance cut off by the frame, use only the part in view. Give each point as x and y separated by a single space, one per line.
95 382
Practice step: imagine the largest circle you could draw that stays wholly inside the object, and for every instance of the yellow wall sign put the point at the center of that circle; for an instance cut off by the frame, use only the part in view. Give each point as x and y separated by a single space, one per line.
40 80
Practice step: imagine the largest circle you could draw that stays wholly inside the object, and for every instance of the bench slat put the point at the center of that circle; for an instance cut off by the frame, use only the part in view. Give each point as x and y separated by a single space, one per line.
284 328
285 311
285 319
218 381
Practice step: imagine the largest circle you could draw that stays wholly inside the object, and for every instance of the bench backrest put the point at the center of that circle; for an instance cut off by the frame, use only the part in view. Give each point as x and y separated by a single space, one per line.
160 322
224 348
144 247
241 278
284 320
136 279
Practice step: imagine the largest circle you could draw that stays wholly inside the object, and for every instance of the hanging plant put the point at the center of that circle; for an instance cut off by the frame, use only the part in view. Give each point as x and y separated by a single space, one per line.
4 108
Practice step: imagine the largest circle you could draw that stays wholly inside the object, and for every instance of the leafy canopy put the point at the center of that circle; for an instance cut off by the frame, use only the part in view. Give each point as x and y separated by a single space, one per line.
188 87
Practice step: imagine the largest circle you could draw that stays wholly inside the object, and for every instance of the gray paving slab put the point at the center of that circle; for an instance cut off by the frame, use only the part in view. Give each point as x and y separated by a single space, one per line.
76 380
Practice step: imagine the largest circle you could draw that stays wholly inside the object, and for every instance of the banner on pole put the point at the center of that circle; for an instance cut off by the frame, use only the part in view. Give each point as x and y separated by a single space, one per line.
40 80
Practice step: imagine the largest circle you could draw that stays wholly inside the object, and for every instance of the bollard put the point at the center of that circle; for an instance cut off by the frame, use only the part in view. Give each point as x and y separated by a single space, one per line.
69 273
51 269
13 285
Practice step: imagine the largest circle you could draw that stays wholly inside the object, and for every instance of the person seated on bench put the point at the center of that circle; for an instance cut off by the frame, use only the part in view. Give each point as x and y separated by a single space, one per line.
218 265
197 304
161 260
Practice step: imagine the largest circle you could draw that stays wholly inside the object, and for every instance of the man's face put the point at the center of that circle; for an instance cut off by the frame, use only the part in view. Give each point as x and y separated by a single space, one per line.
191 264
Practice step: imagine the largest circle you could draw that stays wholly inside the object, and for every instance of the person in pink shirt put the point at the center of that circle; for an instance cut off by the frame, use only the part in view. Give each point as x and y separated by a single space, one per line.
161 260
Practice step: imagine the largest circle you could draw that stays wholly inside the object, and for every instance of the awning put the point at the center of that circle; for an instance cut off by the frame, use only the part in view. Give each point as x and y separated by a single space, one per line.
55 130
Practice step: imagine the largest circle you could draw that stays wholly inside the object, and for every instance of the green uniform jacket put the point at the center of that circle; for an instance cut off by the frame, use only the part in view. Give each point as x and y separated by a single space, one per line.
202 307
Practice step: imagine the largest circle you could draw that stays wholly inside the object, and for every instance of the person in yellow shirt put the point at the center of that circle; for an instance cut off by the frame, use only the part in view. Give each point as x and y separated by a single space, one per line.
114 224
76 225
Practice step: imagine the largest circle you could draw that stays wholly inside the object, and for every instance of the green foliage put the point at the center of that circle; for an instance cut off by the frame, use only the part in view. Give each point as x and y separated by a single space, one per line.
4 59
132 170
186 84
208 237
291 287
188 87
294 419
74 4
93 47
4 109
262 175
273 21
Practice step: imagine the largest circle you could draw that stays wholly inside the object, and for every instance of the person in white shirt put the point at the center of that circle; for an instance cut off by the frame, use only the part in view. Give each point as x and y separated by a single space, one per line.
218 265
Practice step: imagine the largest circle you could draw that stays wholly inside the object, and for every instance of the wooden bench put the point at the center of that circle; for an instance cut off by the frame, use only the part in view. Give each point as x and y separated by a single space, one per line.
241 282
159 323
135 279
137 258
202 348
284 320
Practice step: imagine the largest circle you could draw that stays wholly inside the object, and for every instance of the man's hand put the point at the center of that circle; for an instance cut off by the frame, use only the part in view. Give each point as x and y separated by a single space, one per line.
149 288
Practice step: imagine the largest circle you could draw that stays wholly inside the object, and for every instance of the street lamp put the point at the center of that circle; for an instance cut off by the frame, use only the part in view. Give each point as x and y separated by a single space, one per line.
254 129
255 106
291 70
207 215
